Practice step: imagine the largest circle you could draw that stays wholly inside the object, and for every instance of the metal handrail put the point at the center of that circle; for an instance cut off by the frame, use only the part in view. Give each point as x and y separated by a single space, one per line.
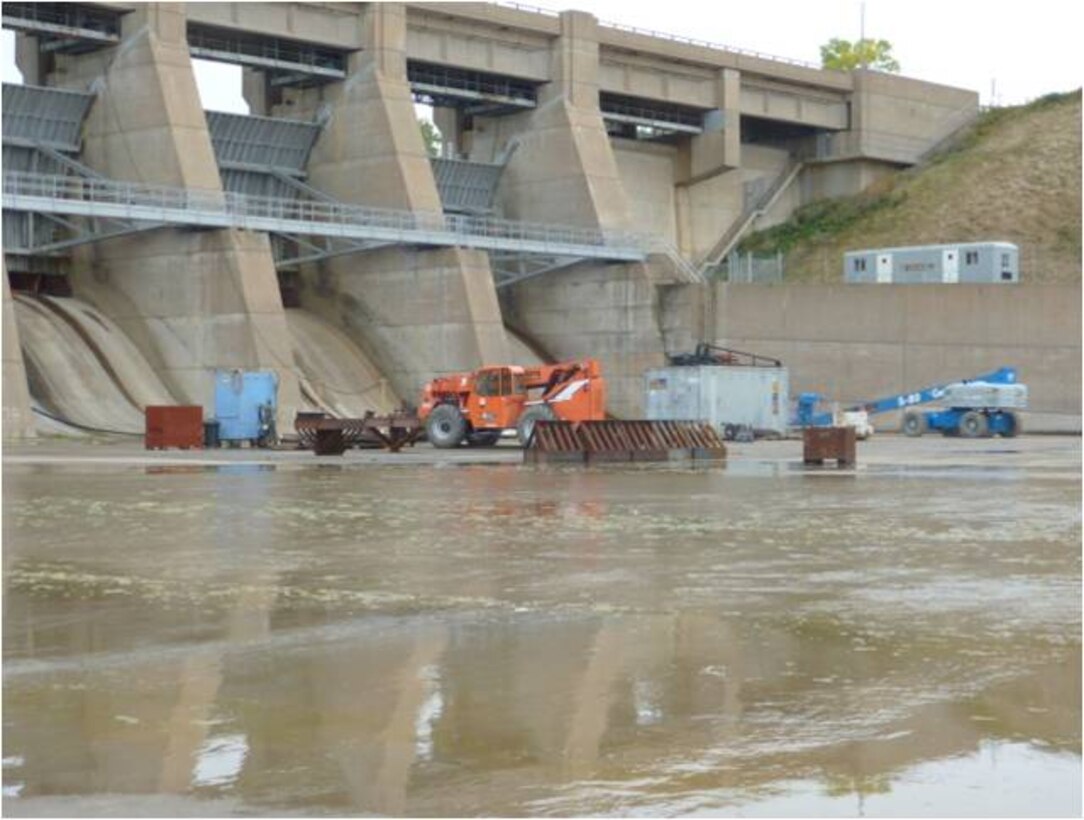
694 41
314 58
611 105
249 206
662 35
100 21
443 77
525 7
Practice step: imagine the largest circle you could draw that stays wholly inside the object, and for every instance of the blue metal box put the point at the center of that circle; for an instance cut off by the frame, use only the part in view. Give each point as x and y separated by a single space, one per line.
245 404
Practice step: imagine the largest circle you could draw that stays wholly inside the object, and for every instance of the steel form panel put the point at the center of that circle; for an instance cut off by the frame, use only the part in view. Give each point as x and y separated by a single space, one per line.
34 115
612 440
465 186
38 124
179 206
247 142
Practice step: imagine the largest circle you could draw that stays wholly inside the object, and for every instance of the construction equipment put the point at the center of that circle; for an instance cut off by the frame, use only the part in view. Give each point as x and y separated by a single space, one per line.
587 442
742 395
477 407
245 405
972 408
710 354
328 436
808 413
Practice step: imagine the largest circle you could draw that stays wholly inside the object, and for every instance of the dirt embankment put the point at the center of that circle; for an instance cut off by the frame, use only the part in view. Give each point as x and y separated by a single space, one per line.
1014 176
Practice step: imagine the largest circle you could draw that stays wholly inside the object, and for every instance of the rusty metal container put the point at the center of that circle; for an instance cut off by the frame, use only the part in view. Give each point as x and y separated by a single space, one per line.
168 426
607 441
329 442
822 443
331 437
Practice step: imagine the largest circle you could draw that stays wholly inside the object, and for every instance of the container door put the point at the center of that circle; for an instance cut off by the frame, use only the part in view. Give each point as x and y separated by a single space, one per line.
950 266
1008 269
484 402
258 389
884 267
228 386
657 400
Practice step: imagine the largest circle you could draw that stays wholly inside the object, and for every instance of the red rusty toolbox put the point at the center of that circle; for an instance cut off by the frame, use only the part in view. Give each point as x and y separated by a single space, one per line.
822 443
173 426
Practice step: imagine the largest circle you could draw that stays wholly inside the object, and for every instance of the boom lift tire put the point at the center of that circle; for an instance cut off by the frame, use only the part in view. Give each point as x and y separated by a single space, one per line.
973 424
1015 427
446 428
525 425
914 424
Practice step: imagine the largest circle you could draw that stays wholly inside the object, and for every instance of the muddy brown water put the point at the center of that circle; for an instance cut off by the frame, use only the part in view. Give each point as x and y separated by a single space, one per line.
504 640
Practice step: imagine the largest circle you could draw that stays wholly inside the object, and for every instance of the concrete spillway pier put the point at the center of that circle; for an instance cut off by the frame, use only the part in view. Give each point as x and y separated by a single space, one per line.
192 301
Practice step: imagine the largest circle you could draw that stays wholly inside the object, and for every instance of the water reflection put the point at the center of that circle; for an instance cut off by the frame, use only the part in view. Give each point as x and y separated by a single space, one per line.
522 642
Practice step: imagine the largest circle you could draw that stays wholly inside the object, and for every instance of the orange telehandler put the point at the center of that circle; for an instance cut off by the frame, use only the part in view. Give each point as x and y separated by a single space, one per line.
477 407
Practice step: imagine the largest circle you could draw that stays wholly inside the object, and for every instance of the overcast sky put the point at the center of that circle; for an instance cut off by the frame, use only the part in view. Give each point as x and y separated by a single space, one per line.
1014 51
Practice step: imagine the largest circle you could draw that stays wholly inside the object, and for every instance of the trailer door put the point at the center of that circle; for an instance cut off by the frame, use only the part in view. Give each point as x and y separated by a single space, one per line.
950 266
884 267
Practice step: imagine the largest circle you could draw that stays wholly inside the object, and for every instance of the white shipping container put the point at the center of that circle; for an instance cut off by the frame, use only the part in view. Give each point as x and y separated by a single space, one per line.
754 396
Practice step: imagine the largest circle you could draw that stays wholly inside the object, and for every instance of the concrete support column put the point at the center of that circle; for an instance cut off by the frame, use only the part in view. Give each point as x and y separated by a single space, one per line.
705 157
861 118
416 313
18 422
564 171
718 149
449 122
254 90
29 59
193 301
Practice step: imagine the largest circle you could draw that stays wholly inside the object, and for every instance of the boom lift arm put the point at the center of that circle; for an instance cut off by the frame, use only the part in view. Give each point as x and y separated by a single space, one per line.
1003 375
984 410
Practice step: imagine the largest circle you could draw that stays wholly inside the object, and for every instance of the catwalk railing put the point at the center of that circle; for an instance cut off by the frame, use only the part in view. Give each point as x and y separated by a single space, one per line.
78 196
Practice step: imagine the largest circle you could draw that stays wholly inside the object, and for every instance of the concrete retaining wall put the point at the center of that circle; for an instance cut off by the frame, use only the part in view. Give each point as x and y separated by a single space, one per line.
855 342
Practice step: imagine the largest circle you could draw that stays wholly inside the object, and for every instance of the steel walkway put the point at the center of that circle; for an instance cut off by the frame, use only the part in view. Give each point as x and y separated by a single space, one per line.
76 196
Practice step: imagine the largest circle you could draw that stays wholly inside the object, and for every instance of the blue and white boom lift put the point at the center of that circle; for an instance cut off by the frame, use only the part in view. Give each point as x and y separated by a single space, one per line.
985 405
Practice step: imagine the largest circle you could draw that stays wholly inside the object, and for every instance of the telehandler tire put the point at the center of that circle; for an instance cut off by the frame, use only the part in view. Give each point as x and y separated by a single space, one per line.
525 425
446 428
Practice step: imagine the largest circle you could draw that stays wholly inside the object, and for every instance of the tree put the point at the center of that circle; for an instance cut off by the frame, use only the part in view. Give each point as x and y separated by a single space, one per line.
847 55
431 137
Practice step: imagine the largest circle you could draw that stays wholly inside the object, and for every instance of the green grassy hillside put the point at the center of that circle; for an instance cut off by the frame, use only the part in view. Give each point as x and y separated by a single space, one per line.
1015 175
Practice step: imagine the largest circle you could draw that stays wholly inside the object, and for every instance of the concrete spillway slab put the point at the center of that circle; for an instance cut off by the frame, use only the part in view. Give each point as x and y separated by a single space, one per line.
65 374
125 364
334 374
18 421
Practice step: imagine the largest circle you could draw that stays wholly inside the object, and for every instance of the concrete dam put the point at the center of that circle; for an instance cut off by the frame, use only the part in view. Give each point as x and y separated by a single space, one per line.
591 177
